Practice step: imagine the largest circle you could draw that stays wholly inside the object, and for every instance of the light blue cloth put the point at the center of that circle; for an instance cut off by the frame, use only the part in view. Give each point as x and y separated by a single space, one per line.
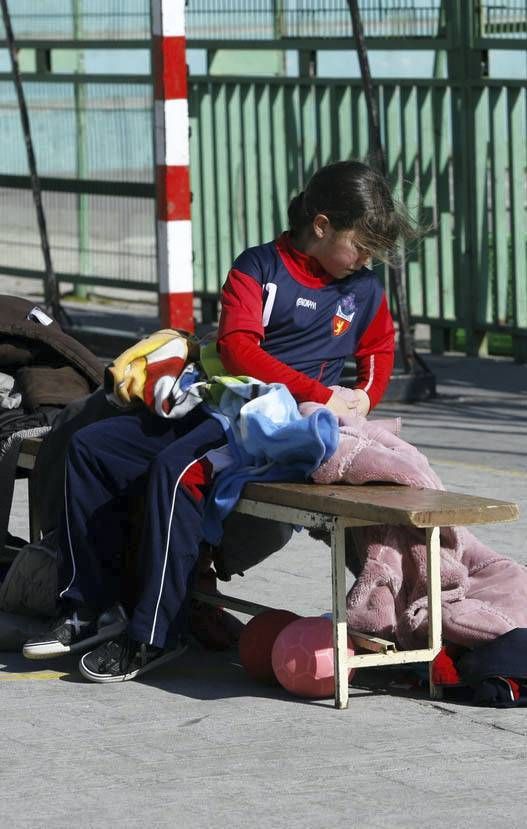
269 441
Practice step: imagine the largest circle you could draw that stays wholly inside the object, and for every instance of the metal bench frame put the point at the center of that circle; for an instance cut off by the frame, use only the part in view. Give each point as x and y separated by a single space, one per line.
383 652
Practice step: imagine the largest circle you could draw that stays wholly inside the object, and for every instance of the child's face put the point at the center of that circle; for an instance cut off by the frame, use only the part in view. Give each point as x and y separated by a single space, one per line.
338 251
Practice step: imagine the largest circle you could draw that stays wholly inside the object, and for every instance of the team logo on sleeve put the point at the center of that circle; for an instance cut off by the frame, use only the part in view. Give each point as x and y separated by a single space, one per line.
344 314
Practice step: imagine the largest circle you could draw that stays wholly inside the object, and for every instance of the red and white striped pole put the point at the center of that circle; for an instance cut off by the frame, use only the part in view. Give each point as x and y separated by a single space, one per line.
171 130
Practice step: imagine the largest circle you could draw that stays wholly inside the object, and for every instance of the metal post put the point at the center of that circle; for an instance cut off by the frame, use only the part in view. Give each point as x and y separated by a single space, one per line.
83 230
278 19
464 66
171 128
307 63
396 280
51 293
340 627
433 573
440 65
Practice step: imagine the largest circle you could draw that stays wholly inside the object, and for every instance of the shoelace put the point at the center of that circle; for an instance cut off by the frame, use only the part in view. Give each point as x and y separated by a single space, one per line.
76 623
66 628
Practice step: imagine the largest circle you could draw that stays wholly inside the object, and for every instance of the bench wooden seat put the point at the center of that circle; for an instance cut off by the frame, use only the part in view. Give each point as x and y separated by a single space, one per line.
386 503
334 508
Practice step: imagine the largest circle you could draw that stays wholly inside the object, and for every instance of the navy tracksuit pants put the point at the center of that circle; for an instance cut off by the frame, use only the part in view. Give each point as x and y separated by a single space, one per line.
109 461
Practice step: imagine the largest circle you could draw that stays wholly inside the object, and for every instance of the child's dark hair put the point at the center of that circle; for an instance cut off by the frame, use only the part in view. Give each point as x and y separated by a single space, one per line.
354 196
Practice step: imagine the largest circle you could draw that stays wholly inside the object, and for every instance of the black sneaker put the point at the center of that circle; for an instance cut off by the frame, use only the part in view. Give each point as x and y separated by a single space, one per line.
122 659
78 629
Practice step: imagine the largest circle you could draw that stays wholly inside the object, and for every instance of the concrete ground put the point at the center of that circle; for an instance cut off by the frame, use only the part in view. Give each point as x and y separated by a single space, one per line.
198 744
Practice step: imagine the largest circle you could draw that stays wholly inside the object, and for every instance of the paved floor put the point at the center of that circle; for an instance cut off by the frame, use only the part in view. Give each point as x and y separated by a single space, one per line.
199 744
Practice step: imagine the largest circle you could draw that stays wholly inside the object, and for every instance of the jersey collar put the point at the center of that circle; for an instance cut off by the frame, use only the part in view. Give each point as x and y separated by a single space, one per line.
303 268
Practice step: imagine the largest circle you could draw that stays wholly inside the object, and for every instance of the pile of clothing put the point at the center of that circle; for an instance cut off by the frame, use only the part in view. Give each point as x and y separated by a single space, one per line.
483 593
42 369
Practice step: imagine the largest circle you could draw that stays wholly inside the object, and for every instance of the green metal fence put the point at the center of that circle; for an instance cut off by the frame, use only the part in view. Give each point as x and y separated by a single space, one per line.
294 21
93 141
94 153
456 148
71 20
209 20
271 19
255 142
507 19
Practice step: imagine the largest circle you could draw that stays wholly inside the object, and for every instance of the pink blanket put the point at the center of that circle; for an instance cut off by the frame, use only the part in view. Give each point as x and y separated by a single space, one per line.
483 594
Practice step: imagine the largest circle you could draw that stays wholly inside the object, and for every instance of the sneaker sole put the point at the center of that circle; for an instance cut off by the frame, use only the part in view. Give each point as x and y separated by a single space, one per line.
45 650
155 663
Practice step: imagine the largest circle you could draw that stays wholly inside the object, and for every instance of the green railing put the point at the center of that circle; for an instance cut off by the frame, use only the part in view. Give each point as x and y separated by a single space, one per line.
456 149
64 20
211 20
503 19
271 19
254 142
94 154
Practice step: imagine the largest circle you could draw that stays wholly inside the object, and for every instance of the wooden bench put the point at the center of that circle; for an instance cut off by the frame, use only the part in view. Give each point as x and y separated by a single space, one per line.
334 508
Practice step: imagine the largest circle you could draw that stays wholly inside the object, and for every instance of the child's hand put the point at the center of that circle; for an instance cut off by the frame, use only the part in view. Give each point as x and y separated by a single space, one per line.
340 406
355 401
363 402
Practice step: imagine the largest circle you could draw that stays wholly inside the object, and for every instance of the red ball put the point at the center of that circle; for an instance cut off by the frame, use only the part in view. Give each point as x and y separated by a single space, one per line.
256 642
302 658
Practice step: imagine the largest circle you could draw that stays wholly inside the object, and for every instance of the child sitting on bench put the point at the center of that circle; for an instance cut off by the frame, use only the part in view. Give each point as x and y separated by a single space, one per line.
293 310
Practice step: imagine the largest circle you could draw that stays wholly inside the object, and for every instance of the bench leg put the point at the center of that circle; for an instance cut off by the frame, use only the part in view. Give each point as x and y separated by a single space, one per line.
340 628
433 566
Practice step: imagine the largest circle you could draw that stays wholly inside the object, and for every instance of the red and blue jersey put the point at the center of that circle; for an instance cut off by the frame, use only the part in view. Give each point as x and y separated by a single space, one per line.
279 301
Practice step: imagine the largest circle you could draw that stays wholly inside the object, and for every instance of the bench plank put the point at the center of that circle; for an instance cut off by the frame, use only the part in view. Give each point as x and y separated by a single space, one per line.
380 503
386 503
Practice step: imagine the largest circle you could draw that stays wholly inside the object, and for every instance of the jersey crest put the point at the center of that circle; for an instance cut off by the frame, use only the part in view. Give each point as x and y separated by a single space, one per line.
343 317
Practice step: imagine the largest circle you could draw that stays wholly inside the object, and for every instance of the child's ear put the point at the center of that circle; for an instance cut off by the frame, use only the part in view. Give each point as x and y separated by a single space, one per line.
320 225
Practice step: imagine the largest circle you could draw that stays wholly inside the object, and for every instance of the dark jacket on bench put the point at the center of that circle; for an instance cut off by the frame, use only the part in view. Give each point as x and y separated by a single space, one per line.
50 369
